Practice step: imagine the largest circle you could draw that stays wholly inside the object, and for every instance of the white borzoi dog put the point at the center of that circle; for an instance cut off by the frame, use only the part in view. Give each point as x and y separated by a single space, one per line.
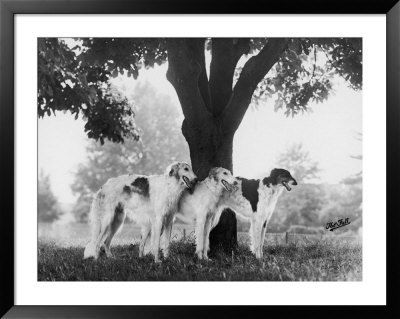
200 207
150 201
255 200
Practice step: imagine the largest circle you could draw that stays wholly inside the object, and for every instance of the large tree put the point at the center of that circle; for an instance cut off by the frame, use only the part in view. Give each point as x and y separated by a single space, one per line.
294 72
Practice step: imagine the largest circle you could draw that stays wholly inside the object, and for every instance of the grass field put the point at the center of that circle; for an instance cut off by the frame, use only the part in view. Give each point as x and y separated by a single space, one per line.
317 260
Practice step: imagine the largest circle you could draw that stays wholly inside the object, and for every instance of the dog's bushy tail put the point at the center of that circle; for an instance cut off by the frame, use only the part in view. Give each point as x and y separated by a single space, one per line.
95 224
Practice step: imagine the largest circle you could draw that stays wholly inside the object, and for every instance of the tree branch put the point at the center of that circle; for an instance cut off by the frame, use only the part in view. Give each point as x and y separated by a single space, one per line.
255 69
225 56
185 73
198 52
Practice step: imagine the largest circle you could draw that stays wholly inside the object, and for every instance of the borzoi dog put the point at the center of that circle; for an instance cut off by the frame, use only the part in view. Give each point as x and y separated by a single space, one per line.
201 206
150 201
255 200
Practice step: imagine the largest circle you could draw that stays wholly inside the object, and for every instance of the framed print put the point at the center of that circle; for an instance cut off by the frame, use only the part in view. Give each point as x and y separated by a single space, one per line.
187 156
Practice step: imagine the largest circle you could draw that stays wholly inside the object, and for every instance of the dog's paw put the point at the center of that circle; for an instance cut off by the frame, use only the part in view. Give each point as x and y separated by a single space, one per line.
109 254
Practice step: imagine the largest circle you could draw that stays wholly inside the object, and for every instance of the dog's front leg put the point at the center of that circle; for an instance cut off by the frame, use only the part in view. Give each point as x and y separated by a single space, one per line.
255 231
156 234
207 231
262 239
167 234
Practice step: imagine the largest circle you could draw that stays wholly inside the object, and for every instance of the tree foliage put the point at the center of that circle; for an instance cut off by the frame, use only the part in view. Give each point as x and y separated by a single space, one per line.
48 206
76 76
161 143
305 72
69 81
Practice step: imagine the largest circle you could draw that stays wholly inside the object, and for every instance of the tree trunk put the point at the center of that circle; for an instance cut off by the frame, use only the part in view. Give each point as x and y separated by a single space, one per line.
210 147
213 110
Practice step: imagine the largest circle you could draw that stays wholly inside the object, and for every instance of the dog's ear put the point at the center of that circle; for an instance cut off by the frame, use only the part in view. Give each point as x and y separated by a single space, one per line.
273 176
213 174
173 170
267 181
276 172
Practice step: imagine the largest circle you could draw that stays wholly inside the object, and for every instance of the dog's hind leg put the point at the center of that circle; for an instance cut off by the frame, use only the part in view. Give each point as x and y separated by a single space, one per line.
145 232
96 226
102 237
115 226
91 247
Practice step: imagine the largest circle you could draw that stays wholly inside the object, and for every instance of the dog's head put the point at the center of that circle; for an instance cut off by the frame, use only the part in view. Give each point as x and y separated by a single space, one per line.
223 178
234 192
183 174
240 199
280 177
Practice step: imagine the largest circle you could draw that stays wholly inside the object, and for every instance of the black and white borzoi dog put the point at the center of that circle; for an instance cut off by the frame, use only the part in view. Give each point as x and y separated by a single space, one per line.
200 207
150 201
255 200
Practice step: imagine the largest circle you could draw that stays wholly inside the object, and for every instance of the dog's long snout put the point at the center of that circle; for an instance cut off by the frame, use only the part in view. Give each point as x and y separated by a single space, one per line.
294 182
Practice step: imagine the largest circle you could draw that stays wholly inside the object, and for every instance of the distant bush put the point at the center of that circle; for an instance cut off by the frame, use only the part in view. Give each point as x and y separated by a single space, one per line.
299 229
48 207
243 226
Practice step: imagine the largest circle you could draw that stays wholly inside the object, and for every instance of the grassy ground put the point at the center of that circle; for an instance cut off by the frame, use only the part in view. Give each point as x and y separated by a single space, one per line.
320 260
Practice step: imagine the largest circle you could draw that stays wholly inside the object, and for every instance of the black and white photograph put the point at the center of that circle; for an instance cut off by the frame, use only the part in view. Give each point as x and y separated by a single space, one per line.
200 159
160 159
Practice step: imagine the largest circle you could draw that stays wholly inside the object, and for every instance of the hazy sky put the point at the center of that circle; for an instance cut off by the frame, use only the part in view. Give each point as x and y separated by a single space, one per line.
328 132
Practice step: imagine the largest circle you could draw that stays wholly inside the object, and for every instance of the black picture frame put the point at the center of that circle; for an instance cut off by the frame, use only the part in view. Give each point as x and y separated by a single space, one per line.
8 10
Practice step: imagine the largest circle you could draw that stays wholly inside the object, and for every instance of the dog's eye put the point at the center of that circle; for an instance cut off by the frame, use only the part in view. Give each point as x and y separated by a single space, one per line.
186 169
225 173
